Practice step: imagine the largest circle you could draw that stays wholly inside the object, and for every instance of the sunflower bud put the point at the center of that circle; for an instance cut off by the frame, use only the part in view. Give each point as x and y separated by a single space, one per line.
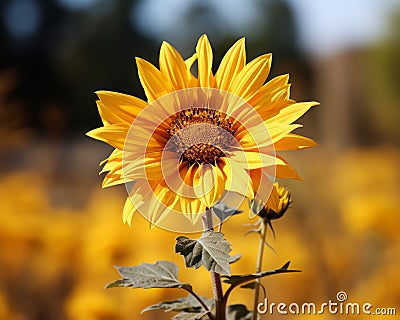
283 205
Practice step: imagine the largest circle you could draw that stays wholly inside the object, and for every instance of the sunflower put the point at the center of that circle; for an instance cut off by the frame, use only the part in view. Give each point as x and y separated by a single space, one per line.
199 139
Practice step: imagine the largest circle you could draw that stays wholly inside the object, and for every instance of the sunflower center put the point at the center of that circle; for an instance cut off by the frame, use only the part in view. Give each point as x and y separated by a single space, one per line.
201 135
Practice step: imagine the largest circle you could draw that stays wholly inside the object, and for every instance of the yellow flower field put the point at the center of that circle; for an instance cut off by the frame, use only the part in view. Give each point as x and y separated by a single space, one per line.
56 259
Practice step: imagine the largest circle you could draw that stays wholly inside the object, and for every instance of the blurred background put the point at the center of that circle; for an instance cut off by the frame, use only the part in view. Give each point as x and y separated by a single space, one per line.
60 234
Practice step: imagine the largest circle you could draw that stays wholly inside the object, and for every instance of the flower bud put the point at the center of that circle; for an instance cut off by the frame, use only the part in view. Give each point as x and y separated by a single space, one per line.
283 205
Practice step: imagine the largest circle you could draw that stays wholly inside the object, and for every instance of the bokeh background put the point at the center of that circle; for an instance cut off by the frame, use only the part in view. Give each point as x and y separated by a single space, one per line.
60 234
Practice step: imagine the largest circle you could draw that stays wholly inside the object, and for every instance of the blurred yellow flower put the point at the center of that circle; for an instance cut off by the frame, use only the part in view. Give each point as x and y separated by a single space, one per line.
376 212
201 137
369 198
92 305
5 312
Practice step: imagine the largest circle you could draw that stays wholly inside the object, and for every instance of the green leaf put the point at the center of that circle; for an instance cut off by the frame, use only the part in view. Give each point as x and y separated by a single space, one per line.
234 258
223 212
162 274
249 285
187 304
190 316
238 312
239 279
211 250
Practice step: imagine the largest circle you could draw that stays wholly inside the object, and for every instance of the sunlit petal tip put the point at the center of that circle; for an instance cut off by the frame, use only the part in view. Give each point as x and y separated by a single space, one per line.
139 60
203 37
101 93
267 59
315 103
241 43
139 64
166 46
98 93
90 134
309 104
311 144
142 64
286 77
96 134
289 175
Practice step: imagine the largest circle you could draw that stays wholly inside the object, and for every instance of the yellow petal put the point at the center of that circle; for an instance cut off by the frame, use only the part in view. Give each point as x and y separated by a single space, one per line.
286 171
252 77
113 179
231 65
270 99
211 184
277 82
262 184
136 199
130 209
254 160
289 114
293 141
204 61
154 83
153 166
174 68
113 167
269 91
277 133
273 200
140 138
191 206
116 107
236 178
113 135
268 111
114 158
259 137
161 204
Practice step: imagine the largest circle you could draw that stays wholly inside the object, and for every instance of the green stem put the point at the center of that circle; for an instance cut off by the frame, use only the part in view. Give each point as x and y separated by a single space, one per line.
215 277
261 246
